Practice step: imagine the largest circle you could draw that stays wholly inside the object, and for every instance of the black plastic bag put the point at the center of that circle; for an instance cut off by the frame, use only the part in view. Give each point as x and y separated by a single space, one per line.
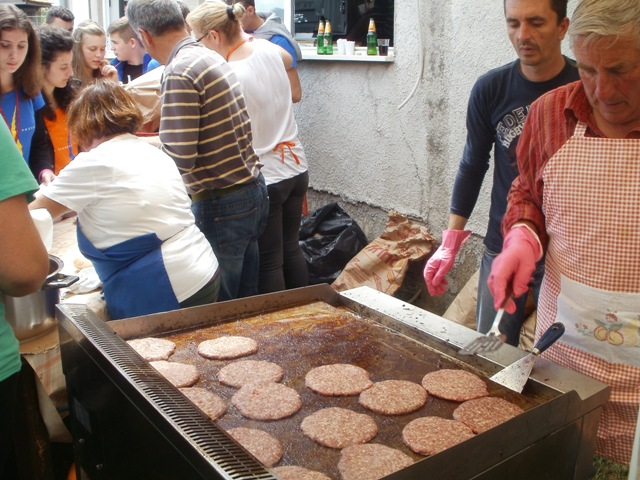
329 238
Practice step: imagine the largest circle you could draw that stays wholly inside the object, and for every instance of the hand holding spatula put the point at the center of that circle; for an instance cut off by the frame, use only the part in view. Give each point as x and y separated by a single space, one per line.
491 341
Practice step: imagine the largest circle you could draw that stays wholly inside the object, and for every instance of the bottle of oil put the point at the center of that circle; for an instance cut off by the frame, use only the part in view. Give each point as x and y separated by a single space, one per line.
328 38
320 38
372 39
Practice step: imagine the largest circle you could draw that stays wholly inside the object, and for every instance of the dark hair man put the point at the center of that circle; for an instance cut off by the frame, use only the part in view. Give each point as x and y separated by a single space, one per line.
60 16
497 109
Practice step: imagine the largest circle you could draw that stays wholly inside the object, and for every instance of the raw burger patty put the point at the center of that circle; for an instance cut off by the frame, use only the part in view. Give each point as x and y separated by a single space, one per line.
266 401
227 347
430 435
484 413
239 373
457 385
152 349
211 404
371 461
266 448
179 374
291 472
393 397
339 379
338 427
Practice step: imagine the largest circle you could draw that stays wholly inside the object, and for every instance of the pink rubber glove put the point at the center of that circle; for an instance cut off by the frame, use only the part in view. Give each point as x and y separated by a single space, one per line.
441 262
513 269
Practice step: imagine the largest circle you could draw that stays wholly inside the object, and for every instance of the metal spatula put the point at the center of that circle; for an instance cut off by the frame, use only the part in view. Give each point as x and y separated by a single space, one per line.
515 376
490 342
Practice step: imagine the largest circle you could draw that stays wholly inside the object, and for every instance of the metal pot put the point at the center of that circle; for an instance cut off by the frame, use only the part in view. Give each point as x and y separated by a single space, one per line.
34 314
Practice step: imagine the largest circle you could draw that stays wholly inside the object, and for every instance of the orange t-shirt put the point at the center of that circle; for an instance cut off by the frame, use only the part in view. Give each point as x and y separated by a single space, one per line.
64 149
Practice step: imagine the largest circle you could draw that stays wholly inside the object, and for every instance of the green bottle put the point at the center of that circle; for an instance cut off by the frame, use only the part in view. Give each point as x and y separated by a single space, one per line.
328 38
372 39
320 39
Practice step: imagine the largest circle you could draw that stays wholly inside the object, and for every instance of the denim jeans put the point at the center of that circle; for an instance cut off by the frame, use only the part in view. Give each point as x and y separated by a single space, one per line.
282 263
232 224
511 324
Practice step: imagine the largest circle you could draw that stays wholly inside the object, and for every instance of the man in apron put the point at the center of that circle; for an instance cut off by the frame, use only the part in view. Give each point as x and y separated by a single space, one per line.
577 199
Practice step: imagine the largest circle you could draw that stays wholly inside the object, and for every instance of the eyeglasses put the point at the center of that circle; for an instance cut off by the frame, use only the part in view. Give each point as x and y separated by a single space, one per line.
204 35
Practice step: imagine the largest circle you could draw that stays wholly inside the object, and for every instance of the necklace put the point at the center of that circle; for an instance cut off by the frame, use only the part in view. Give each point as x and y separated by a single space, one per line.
14 125
234 48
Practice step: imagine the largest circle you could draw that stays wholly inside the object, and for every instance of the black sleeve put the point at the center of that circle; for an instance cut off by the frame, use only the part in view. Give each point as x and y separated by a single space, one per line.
41 155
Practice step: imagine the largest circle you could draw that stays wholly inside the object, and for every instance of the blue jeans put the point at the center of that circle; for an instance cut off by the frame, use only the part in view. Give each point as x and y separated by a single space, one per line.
232 224
511 324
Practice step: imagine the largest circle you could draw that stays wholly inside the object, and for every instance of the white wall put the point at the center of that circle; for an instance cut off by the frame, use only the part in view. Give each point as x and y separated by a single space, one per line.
364 149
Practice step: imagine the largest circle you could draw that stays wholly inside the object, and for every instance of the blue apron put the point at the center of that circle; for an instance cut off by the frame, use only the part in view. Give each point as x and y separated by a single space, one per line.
134 279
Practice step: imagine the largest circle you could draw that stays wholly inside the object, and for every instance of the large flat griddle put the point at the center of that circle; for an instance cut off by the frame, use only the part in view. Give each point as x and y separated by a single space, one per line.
301 338
305 328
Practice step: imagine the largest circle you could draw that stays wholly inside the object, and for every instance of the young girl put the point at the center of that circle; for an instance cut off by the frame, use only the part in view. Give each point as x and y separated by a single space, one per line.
20 99
90 48
58 90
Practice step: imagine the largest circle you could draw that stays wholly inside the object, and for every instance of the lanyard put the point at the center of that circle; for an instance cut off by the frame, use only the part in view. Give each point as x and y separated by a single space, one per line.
234 48
15 121
71 155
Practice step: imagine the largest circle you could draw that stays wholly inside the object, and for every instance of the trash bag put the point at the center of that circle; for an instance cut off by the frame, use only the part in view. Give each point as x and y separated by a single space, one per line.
329 238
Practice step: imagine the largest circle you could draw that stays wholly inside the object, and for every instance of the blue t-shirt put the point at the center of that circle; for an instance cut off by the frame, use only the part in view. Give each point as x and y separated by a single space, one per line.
148 64
21 120
15 179
498 106
284 43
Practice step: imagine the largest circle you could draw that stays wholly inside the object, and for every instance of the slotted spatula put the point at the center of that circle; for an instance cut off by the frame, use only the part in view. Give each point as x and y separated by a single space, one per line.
488 343
515 376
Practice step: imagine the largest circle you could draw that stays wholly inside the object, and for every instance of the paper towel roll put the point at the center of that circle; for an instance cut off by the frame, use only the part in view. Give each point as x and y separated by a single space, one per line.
44 224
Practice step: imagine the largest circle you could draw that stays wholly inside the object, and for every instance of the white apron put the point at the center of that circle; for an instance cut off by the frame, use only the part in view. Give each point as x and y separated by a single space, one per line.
591 203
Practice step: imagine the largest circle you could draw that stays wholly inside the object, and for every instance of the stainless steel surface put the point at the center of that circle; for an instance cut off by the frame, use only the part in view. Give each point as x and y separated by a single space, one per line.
34 314
561 407
515 376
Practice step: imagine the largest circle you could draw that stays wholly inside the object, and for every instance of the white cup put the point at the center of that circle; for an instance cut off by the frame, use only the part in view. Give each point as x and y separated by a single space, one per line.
350 48
44 224
341 46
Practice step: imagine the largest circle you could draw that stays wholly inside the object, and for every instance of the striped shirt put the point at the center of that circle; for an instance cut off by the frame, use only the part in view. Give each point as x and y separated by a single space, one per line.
550 123
204 124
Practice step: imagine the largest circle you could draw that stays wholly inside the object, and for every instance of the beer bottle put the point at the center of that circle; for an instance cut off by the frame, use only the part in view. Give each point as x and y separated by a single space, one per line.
372 39
328 39
320 38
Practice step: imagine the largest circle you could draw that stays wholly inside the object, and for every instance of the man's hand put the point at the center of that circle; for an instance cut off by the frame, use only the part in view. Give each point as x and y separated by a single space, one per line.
442 261
513 269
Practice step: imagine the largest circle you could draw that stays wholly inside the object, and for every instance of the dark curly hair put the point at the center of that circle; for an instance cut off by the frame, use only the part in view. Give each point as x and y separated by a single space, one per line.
53 41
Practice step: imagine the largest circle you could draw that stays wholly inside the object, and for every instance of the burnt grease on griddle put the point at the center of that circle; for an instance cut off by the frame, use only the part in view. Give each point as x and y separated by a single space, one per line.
301 338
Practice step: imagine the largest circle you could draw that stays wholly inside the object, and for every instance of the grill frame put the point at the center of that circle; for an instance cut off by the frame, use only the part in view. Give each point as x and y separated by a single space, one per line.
100 350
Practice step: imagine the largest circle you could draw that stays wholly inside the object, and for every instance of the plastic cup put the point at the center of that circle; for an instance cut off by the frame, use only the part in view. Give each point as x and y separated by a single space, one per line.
350 48
341 46
383 47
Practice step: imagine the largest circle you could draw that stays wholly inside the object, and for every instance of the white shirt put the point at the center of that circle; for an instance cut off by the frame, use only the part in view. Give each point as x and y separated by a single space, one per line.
267 93
124 188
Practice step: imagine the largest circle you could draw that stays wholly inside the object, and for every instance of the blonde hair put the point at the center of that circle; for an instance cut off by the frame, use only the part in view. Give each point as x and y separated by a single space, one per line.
593 19
217 15
84 29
